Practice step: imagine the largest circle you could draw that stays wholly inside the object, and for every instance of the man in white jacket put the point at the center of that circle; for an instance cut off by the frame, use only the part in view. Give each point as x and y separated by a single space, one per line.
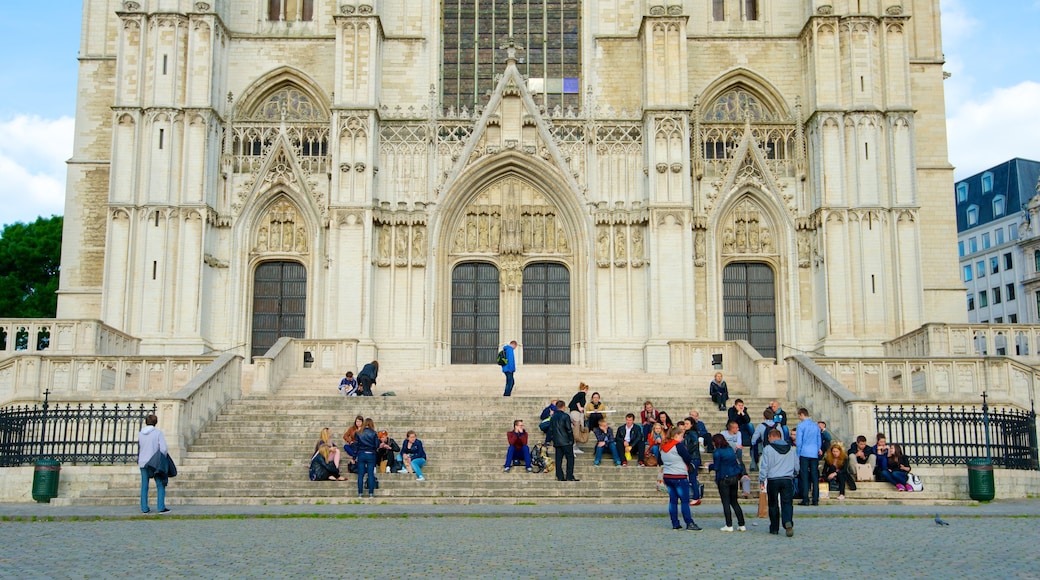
151 441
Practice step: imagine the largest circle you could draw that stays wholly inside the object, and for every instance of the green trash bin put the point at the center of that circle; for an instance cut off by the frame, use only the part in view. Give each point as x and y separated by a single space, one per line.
45 480
980 479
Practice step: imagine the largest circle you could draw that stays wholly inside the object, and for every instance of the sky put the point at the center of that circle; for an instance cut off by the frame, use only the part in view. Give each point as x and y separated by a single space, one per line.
992 97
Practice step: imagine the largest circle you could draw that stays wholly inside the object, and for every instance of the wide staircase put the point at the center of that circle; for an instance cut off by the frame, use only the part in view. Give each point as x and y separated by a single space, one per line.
258 451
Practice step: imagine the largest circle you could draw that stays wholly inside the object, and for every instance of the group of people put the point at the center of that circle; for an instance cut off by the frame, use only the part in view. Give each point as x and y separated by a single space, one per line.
368 450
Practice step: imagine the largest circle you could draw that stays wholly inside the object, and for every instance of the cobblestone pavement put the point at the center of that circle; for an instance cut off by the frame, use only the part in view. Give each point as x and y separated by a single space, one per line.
632 545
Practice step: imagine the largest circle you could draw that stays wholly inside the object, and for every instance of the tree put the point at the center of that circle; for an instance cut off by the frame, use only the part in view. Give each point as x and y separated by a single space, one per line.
30 259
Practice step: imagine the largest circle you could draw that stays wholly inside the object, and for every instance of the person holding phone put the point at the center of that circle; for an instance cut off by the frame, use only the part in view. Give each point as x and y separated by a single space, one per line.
517 439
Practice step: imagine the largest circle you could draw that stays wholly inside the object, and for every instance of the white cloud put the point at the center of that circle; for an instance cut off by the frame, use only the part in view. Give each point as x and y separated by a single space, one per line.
995 127
33 152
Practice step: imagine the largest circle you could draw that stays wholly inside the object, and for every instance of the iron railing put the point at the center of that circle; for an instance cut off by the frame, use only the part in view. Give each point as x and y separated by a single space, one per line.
70 434
952 436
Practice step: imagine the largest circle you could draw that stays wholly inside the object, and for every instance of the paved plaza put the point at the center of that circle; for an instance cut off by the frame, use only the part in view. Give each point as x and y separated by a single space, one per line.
385 541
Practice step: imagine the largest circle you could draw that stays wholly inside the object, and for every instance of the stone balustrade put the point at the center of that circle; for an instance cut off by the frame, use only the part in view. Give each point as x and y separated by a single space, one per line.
25 377
185 413
739 359
292 355
53 336
1013 340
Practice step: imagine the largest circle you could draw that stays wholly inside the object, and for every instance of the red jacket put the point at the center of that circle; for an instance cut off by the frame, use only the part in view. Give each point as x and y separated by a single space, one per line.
517 441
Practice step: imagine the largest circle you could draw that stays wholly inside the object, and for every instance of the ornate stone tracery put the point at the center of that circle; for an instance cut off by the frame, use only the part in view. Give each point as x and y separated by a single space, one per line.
281 230
511 217
747 230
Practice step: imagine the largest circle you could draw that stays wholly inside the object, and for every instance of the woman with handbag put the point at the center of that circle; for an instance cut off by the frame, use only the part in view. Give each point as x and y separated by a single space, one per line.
727 477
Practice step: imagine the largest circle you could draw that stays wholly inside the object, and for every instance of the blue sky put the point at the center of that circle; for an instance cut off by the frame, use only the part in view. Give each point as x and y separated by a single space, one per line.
993 97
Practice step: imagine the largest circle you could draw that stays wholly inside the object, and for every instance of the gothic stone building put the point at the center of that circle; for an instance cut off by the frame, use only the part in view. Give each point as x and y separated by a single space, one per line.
432 179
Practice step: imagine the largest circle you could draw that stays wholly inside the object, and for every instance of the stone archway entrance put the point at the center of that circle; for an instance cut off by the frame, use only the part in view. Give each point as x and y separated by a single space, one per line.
279 304
749 302
546 318
474 313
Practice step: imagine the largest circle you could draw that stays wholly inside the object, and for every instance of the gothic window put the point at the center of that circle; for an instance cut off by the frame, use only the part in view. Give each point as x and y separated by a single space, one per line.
750 8
548 32
736 105
290 10
718 10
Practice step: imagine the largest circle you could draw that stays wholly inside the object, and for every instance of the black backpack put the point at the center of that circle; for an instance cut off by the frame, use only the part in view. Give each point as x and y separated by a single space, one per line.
503 360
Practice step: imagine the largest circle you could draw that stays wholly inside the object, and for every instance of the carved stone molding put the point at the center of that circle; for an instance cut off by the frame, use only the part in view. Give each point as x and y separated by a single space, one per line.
510 217
131 6
825 10
365 9
202 7
747 230
658 10
214 262
636 214
348 217
281 230
346 9
894 10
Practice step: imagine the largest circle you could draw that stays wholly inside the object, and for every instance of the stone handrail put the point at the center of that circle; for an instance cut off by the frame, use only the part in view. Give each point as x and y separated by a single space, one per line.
59 336
25 377
185 413
739 359
1017 341
290 355
847 413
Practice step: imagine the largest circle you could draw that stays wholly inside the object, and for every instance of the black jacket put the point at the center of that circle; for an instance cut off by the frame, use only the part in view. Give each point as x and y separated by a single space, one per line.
741 420
693 447
560 429
367 441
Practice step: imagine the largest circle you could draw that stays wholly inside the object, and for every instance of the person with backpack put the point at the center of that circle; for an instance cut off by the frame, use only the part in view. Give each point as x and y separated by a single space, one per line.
758 438
507 360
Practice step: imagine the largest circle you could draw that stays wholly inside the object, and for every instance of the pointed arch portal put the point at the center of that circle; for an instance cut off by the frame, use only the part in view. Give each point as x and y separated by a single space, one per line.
749 300
474 313
279 304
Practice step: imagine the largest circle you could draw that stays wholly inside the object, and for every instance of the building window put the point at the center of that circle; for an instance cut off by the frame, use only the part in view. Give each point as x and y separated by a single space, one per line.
1036 261
718 10
999 320
548 31
962 192
1012 318
994 265
983 299
987 182
967 273
971 302
750 9
973 245
996 295
1009 290
290 10
998 206
999 235
980 269
1008 262
1013 232
960 248
985 241
973 215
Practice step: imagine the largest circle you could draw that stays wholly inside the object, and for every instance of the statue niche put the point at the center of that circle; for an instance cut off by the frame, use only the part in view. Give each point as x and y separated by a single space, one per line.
510 217
281 231
747 230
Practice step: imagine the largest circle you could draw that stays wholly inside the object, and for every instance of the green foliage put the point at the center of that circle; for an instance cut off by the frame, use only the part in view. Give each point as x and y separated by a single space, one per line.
30 255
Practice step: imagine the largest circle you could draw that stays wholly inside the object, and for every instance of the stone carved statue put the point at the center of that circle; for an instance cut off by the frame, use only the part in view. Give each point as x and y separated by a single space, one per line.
766 237
620 246
401 246
603 248
460 241
419 246
561 242
728 241
637 244
301 240
803 249
698 248
384 244
261 239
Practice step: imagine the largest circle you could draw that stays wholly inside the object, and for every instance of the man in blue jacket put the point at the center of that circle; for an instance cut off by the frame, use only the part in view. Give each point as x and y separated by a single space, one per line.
808 442
510 367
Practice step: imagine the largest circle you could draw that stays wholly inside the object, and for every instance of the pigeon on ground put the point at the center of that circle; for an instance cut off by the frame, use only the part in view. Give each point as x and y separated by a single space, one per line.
940 522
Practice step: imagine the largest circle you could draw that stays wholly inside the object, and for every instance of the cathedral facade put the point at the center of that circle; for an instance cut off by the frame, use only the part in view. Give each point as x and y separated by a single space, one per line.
433 179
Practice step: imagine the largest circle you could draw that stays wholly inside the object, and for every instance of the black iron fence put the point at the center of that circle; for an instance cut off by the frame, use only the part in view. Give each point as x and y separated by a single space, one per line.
70 434
952 436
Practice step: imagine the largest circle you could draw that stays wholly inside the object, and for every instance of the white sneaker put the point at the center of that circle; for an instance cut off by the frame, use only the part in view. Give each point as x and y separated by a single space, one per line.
726 528
420 478
578 451
742 529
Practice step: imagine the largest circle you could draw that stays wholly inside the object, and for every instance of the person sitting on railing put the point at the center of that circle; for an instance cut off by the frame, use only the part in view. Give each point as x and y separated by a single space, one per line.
836 468
897 468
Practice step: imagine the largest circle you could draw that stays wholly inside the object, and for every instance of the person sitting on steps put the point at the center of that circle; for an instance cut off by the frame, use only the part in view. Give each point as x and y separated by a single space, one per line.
414 455
629 440
348 385
518 448
861 461
605 442
836 469
719 392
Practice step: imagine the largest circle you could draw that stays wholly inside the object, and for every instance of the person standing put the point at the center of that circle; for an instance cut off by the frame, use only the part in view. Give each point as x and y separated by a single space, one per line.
727 477
776 472
150 442
517 439
563 442
367 445
510 367
367 377
675 463
808 444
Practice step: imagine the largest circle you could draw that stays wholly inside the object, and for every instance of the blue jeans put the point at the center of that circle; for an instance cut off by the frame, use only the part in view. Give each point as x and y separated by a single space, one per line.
511 454
509 383
613 451
781 502
417 465
160 492
695 486
366 466
809 479
895 477
678 496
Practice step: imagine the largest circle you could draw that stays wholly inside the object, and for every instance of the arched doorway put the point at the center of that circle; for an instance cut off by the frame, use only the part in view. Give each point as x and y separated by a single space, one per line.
547 314
749 302
279 304
474 313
